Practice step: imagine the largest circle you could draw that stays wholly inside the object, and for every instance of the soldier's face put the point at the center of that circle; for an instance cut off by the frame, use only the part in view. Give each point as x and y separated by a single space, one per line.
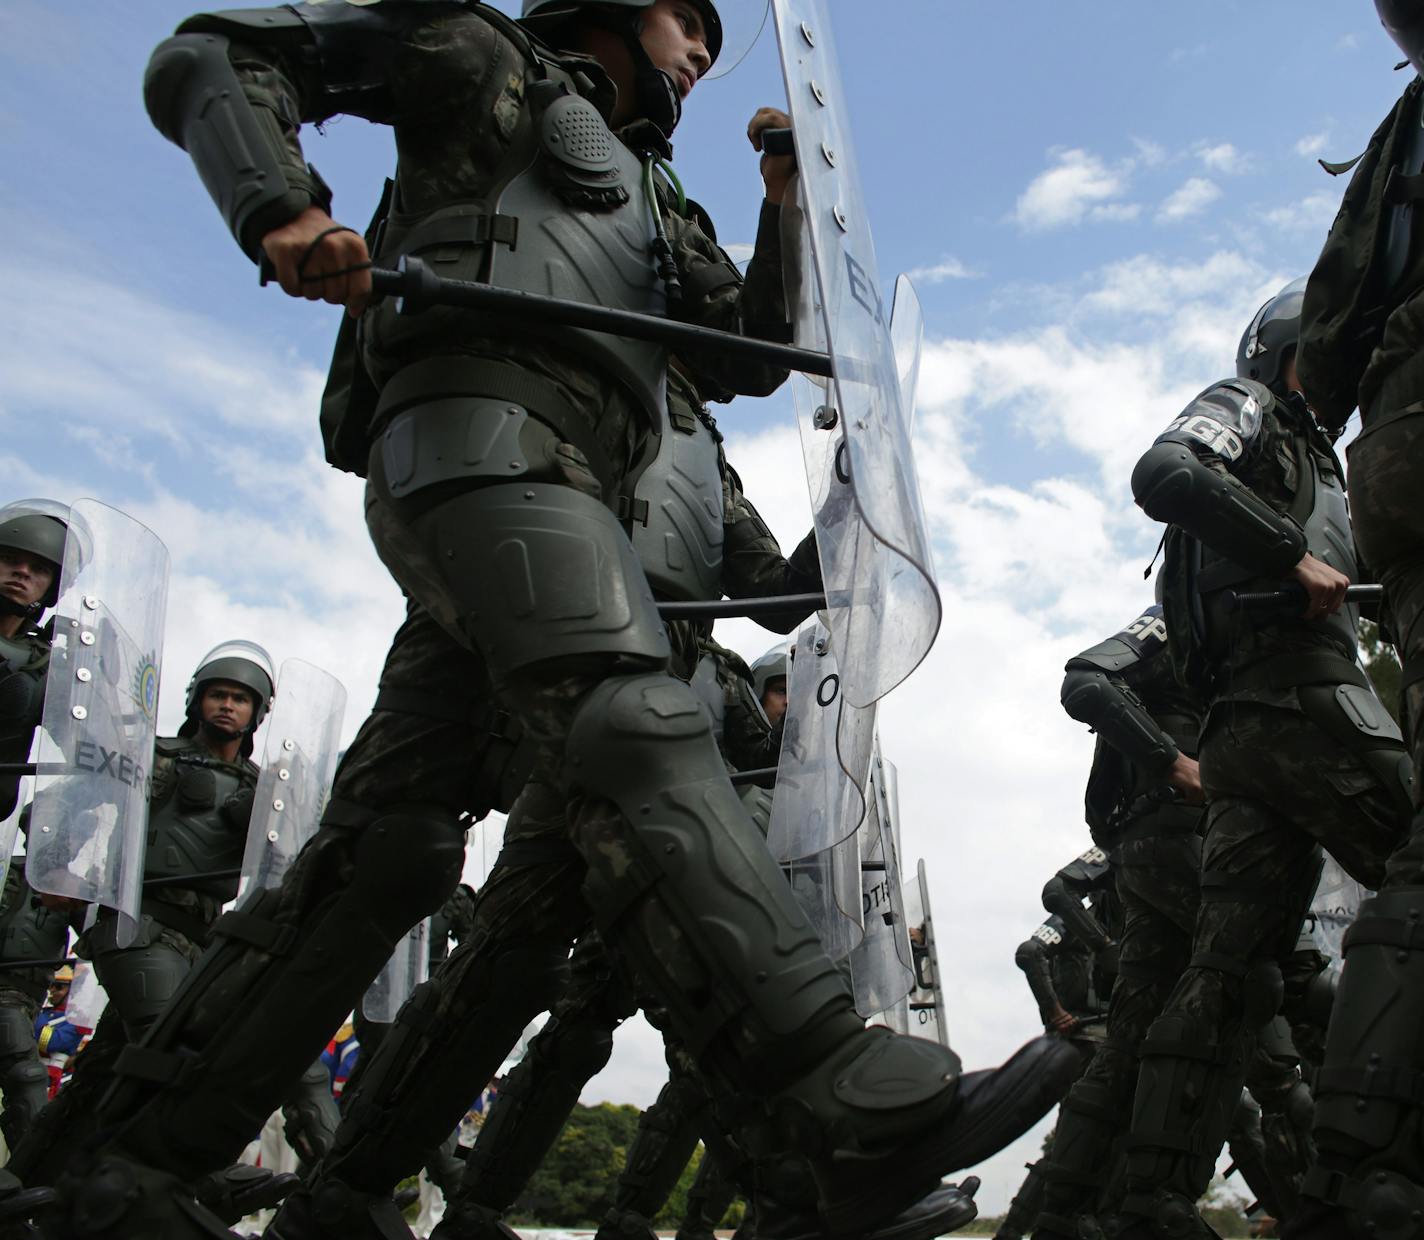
227 706
673 36
24 578
773 699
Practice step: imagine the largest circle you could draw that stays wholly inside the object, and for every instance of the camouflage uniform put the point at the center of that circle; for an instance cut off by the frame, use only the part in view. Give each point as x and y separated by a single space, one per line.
1296 753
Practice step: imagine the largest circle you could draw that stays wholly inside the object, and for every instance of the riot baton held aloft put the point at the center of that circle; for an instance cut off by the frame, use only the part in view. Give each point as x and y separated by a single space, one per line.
418 288
1292 596
722 608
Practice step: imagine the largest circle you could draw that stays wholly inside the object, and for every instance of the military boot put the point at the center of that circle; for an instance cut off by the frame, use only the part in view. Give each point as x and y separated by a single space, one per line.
333 1208
468 1220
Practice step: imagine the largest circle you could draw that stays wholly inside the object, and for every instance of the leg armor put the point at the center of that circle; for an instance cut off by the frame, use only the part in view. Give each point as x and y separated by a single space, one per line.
22 1076
1187 1091
310 1116
539 1095
708 1200
142 979
661 1149
445 1044
283 972
1025 1206
1368 1116
1090 1121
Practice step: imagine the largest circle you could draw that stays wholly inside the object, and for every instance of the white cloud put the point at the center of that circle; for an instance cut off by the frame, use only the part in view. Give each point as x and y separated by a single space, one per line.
1077 186
1311 214
1150 154
1190 198
1311 145
740 252
948 268
1348 42
1220 157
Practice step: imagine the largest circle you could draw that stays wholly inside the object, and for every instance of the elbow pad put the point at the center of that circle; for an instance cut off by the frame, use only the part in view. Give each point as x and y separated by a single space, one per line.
1059 900
1116 715
1172 485
195 100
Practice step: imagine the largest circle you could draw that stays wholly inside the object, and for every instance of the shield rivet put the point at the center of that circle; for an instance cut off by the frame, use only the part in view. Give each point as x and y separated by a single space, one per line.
829 154
84 674
79 712
808 34
272 837
840 218
284 774
87 638
279 805
91 602
289 744
818 92
825 418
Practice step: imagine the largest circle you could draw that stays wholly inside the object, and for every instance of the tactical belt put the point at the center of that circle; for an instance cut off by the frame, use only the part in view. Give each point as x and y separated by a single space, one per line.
1383 932
1289 671
443 377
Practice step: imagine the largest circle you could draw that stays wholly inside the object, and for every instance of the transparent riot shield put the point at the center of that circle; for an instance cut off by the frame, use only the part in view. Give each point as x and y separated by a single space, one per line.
408 966
298 762
827 886
87 999
874 548
825 755
926 1005
95 749
907 337
882 967
1334 906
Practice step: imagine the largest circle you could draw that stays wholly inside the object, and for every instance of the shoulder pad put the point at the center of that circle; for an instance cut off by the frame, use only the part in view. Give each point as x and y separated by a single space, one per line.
236 23
1143 639
1224 419
1089 869
171 746
1051 933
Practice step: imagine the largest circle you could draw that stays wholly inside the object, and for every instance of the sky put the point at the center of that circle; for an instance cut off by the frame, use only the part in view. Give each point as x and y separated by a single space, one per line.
1092 200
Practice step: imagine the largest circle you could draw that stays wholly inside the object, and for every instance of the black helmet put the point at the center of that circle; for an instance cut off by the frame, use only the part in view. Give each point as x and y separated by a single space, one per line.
658 98
1271 338
544 17
39 527
244 663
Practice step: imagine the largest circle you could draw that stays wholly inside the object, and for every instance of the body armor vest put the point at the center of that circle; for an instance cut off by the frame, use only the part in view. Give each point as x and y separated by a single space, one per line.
1322 511
677 527
28 931
566 217
24 663
188 832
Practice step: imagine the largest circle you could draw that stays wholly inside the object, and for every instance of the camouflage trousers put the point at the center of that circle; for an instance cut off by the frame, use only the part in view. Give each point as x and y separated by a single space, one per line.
1386 472
1279 786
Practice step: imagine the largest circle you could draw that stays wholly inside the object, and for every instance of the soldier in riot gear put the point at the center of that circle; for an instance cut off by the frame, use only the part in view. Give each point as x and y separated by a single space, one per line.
523 580
1143 807
1361 347
1070 963
1296 751
200 801
32 927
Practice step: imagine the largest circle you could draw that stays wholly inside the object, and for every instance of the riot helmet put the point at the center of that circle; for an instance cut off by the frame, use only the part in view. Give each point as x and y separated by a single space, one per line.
243 663
775 662
658 99
1271 338
39 527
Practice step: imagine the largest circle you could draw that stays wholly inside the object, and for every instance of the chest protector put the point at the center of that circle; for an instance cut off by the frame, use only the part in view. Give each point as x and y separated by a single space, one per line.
24 662
188 831
677 524
1320 508
28 931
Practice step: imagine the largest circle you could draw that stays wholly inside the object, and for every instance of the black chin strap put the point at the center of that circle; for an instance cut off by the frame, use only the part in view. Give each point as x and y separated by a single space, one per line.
657 94
29 612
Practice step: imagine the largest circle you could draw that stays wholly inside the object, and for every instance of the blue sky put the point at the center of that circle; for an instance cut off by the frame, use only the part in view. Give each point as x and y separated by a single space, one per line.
1093 197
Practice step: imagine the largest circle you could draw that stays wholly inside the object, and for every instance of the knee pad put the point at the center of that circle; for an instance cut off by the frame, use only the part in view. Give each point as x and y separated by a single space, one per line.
413 858
141 982
17 1032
